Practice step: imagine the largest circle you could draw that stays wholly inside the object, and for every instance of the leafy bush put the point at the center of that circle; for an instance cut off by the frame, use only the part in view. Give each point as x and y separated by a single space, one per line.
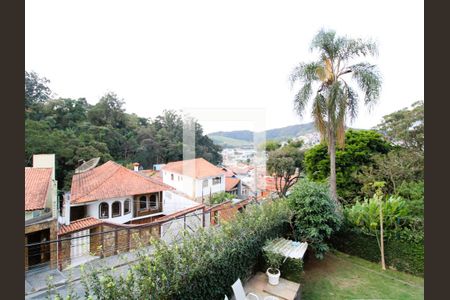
413 191
366 214
202 266
402 253
220 197
315 215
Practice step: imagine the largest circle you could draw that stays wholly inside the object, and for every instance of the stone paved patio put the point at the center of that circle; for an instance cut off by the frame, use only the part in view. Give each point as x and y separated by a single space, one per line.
285 290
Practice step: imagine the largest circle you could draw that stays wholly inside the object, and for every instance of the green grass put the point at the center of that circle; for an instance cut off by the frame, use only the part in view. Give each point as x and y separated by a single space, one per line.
341 276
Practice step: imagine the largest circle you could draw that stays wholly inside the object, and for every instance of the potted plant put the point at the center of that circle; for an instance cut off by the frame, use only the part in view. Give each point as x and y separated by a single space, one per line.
274 261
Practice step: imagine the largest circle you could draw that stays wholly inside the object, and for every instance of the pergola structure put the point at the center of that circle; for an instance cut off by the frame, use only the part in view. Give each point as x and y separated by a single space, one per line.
287 248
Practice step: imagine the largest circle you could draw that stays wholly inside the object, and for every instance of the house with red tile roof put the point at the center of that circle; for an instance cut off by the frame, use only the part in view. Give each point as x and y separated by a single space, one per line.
113 193
196 178
40 211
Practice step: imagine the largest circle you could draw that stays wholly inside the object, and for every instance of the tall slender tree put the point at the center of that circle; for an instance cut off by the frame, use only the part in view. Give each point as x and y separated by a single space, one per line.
334 83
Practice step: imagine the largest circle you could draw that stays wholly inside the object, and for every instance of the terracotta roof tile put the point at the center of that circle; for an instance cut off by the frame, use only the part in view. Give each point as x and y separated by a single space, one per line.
241 169
231 183
37 181
79 225
228 172
198 168
155 175
111 180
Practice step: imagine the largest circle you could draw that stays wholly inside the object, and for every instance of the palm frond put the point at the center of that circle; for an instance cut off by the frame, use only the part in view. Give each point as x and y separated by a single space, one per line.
352 101
302 97
319 114
369 81
357 47
324 41
304 73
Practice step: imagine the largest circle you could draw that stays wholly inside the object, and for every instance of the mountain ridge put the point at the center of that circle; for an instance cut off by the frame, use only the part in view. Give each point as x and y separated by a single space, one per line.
236 137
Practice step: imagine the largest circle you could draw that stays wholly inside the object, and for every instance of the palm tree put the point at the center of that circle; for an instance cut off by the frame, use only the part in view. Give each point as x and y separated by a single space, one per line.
335 98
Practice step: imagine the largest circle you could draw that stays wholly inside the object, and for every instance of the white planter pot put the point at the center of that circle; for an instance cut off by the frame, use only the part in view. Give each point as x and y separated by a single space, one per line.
273 278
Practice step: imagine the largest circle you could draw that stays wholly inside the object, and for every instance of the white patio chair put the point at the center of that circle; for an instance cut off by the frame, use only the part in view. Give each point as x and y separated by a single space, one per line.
239 292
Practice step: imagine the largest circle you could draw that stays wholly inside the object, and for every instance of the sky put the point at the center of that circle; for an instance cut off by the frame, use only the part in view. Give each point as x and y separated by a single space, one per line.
212 55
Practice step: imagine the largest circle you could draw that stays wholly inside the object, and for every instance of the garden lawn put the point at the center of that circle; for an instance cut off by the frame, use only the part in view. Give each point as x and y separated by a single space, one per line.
341 276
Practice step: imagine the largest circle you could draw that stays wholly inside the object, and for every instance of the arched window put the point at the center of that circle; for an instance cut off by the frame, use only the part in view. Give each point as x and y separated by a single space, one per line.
116 209
103 210
153 201
142 203
126 207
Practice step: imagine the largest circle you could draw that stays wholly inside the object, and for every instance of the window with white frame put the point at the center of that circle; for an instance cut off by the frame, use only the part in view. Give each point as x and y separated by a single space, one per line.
103 211
126 207
205 183
116 209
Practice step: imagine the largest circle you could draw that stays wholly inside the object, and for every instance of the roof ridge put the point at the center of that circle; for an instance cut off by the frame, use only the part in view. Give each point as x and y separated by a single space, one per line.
162 184
104 181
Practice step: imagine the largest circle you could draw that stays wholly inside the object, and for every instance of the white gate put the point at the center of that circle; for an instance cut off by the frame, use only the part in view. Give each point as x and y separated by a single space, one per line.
79 246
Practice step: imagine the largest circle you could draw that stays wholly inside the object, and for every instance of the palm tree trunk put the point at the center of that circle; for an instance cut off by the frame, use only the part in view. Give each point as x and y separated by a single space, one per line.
332 148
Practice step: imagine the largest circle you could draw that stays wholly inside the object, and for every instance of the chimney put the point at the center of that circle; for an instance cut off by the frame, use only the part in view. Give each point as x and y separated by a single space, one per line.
136 166
45 161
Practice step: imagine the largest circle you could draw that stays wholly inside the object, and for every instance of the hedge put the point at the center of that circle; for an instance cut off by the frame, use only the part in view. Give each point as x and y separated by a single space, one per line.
401 254
202 266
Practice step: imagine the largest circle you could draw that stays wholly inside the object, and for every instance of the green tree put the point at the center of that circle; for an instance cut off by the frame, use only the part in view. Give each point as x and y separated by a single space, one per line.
270 146
36 89
336 99
394 168
375 216
406 127
74 131
285 165
108 111
65 113
315 217
359 151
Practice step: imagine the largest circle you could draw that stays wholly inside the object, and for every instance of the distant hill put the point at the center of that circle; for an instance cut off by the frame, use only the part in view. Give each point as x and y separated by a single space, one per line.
240 138
227 142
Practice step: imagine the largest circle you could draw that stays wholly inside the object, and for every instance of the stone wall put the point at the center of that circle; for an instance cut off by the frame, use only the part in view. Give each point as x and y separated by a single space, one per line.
47 248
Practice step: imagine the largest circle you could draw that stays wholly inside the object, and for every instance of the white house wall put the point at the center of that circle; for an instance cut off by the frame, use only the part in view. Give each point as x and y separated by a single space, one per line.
93 210
173 202
211 188
180 182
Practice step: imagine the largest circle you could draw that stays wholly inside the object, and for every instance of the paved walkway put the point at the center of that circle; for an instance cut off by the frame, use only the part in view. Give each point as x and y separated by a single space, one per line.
285 290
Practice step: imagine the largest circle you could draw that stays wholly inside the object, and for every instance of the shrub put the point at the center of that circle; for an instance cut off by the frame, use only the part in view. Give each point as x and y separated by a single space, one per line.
315 217
366 214
220 197
403 254
413 191
203 265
